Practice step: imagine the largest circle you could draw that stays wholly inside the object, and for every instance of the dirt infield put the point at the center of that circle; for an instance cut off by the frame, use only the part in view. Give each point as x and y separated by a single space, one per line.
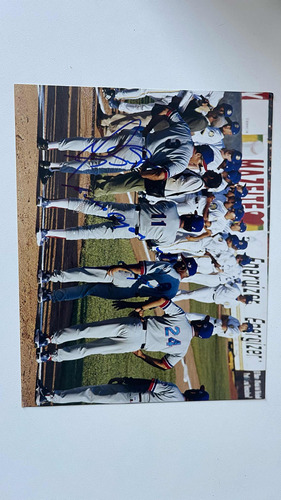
76 106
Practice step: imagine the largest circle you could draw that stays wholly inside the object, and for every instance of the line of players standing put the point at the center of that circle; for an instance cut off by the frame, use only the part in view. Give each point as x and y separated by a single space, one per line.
177 130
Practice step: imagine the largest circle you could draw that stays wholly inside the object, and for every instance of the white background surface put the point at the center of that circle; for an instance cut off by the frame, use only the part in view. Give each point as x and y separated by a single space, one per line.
197 451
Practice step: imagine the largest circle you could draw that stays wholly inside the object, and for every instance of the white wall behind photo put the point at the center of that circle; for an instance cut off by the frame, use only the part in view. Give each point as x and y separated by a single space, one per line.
217 450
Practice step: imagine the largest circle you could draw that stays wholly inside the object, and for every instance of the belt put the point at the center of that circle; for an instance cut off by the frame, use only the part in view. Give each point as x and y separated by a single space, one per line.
144 327
137 227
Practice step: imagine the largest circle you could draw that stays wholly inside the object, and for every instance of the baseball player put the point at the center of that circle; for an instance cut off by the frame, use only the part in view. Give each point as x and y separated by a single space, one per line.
145 279
227 326
171 334
214 136
224 294
158 222
186 182
171 148
121 390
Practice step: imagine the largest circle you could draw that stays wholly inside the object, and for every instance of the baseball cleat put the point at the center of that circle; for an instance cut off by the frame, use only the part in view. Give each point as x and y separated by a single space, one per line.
108 93
41 394
44 164
43 277
43 357
113 103
45 174
41 339
42 144
41 236
44 295
42 202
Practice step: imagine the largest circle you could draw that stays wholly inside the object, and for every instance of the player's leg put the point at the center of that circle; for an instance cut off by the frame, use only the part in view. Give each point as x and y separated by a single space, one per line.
209 280
204 294
113 123
85 274
103 290
91 206
103 394
106 231
123 183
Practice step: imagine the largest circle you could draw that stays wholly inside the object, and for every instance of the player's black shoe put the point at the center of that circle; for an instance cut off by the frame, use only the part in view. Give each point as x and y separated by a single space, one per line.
41 339
42 144
44 295
41 394
43 276
108 93
44 174
44 164
113 103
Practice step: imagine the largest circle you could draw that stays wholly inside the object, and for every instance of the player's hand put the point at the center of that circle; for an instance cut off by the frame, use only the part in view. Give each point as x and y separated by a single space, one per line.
140 311
138 353
120 304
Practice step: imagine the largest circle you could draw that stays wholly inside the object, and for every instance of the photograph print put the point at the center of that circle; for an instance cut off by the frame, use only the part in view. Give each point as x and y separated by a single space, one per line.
143 226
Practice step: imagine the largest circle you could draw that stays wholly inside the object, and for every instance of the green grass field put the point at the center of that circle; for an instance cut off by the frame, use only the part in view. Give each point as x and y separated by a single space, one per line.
210 355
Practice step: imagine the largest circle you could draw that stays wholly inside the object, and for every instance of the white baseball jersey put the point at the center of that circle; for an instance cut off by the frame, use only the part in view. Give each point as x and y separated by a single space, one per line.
232 325
217 161
211 136
171 148
158 392
170 333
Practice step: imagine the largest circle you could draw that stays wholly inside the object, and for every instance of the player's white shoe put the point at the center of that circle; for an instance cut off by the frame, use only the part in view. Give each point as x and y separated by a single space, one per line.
43 357
41 236
42 202
43 277
41 394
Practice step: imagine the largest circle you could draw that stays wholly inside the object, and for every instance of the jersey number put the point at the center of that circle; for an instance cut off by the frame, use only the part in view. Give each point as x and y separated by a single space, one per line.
158 223
173 331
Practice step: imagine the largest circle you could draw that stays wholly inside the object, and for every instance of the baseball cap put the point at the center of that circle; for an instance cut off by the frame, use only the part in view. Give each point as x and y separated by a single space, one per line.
206 328
207 154
246 260
227 108
232 166
244 191
191 264
249 299
239 213
235 127
239 244
234 176
250 327
193 222
236 156
243 227
238 203
197 394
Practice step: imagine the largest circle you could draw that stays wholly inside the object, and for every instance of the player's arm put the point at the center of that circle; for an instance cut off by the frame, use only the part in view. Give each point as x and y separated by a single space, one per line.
151 304
209 200
133 268
213 260
200 237
157 363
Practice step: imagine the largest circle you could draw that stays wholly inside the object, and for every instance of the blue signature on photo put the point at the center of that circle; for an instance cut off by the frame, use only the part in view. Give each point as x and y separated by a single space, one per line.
141 153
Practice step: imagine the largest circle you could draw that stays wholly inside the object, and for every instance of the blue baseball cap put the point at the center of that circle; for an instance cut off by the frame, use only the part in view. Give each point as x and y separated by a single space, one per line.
239 244
244 191
232 166
246 260
194 223
234 176
191 264
239 214
250 327
227 108
235 128
206 152
236 156
238 203
205 330
243 227
249 299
